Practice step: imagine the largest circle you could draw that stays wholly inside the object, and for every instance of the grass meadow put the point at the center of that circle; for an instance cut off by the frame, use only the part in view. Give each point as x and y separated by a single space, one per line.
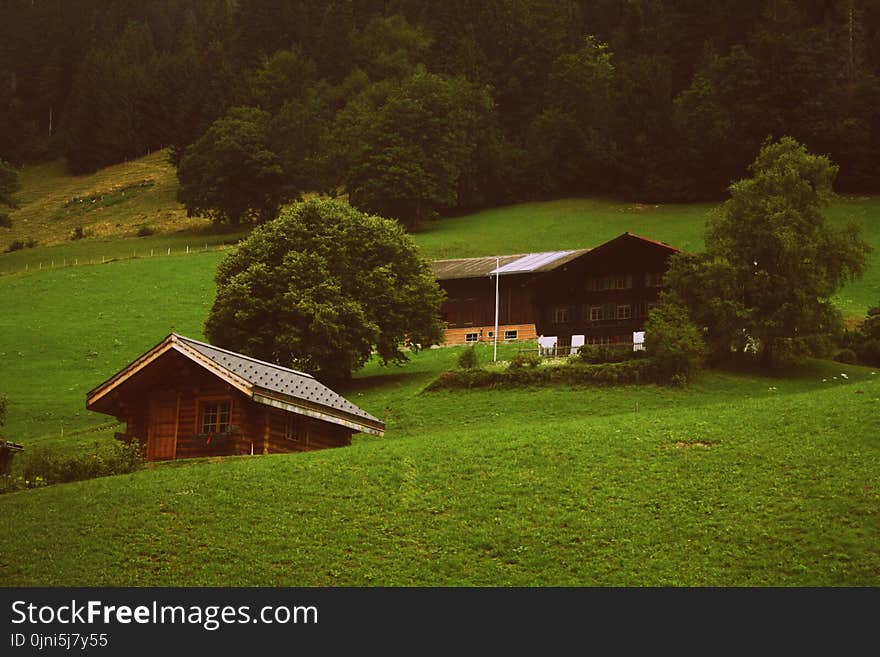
740 479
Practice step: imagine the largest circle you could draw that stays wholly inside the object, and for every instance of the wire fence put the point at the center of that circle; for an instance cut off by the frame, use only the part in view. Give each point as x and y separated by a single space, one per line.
74 261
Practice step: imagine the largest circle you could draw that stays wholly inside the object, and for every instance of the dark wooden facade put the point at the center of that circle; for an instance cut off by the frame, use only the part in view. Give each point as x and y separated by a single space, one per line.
176 407
469 309
603 293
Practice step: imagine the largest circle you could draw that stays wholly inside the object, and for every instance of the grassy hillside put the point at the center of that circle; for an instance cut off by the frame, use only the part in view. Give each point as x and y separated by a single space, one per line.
735 482
64 330
113 202
741 479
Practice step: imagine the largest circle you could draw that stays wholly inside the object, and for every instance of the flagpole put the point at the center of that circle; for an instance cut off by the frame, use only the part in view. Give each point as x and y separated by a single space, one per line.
495 349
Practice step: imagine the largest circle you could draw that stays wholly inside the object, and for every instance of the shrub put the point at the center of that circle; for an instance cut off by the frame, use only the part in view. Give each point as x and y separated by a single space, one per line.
865 340
40 467
468 360
631 372
5 220
18 245
525 359
606 354
77 233
846 356
869 353
145 231
672 340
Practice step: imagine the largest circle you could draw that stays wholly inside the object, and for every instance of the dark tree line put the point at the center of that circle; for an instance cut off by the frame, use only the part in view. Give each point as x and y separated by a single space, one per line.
417 107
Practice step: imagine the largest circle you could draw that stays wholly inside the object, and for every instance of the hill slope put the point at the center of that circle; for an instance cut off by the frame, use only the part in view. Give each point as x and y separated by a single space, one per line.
762 489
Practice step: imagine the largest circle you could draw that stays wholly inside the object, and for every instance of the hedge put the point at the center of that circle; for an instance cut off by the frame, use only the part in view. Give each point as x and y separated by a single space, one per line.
629 372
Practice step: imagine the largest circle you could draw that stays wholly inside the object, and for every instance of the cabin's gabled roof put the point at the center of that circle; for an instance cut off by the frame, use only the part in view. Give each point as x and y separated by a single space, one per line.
264 382
524 263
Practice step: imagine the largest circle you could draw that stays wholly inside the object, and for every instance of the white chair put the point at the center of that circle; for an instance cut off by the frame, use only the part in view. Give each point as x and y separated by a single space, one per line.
547 345
638 340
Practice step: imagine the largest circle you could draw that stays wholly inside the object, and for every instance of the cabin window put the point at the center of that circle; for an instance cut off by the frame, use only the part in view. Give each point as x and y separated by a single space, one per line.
561 315
623 282
214 417
511 335
471 337
653 279
624 311
595 313
295 429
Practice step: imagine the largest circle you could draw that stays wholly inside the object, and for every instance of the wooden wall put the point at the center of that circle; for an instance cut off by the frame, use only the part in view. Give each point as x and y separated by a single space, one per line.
471 302
261 428
459 335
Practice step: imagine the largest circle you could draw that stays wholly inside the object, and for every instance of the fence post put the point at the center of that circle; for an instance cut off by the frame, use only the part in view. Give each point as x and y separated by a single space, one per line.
187 248
169 250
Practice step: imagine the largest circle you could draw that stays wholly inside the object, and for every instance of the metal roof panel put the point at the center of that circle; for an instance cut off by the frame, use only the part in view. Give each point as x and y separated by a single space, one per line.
278 379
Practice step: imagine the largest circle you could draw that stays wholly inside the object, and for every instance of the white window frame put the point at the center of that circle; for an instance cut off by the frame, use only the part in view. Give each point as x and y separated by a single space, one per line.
627 311
216 408
472 337
511 334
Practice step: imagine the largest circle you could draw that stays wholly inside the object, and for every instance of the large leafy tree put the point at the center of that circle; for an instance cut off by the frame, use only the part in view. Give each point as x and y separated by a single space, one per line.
232 173
322 286
418 150
773 257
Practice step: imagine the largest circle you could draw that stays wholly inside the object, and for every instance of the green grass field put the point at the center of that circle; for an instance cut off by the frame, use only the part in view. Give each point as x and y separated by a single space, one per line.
741 479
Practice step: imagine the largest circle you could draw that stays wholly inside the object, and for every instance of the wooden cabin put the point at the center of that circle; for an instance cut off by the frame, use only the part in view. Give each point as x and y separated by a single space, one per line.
600 295
185 398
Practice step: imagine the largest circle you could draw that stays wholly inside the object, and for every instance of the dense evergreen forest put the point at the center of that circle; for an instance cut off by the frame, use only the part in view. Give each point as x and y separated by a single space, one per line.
416 107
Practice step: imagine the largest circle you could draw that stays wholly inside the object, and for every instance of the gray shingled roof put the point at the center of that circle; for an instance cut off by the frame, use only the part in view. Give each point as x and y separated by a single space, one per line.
275 378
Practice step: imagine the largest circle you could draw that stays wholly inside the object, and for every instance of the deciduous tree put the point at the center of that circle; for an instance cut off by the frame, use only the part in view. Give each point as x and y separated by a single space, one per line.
783 261
232 173
322 286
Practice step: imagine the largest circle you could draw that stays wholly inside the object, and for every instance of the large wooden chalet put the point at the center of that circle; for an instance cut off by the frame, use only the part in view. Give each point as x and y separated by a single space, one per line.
186 398
583 296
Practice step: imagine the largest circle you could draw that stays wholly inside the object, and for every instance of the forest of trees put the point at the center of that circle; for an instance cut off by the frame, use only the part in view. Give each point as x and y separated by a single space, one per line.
416 107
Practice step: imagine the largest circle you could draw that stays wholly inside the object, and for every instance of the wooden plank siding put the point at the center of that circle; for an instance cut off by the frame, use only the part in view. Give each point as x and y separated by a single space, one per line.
189 388
459 335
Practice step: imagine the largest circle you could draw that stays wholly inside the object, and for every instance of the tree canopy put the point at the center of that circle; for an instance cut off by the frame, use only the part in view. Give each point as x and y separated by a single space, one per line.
320 287
773 261
232 172
661 101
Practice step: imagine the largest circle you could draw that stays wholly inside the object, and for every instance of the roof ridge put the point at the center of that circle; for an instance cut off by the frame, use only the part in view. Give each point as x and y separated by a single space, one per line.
485 257
240 355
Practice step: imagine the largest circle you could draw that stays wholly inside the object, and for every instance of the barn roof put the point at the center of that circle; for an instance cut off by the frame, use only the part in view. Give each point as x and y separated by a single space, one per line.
524 263
264 382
